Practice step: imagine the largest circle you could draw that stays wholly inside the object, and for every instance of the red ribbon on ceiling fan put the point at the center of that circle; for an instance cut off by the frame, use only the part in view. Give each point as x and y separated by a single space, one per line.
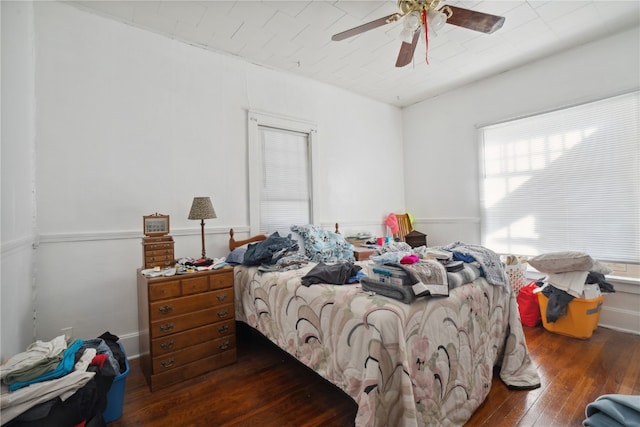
426 35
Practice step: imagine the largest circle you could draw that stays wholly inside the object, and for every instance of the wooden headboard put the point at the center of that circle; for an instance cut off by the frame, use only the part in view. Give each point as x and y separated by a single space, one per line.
233 243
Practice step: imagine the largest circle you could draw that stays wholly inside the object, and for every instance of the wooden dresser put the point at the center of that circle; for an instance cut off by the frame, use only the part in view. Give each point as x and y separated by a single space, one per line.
187 325
158 252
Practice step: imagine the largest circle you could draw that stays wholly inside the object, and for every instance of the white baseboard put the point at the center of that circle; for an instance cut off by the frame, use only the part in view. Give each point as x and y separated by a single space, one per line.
130 342
620 320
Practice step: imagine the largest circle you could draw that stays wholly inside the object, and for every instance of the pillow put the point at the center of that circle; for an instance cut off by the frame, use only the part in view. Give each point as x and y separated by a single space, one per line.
237 255
322 245
562 262
599 267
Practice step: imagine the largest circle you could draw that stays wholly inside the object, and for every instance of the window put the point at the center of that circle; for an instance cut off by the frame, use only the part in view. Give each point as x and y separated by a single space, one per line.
565 180
280 172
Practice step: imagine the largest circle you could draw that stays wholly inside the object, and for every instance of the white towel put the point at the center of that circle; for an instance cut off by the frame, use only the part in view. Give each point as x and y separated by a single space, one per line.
572 282
35 353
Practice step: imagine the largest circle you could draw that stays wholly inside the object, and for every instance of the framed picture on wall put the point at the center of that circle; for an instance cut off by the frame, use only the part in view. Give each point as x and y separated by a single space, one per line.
155 225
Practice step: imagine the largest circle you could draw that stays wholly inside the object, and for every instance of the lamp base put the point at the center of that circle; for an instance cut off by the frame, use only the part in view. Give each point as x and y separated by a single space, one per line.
204 253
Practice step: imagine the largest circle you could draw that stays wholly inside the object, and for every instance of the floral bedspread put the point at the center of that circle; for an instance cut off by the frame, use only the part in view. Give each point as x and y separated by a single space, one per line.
421 364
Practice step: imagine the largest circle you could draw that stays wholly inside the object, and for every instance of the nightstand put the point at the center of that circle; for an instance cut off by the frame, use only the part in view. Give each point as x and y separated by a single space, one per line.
362 253
187 325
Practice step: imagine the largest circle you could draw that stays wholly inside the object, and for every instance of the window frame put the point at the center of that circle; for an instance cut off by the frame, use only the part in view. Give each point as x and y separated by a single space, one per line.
621 268
257 119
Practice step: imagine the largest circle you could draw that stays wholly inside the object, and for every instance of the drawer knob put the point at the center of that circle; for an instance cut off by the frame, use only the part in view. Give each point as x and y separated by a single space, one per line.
222 297
222 329
166 345
224 345
168 363
165 309
223 314
166 327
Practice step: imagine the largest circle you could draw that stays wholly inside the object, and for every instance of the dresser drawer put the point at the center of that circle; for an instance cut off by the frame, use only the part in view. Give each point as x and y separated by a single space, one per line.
195 285
158 257
164 290
175 324
193 353
159 263
175 342
191 370
220 281
159 253
158 246
178 306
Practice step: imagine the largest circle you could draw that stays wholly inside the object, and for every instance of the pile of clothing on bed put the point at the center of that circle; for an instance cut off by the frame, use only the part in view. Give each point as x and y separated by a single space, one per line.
59 383
275 253
306 243
278 253
433 271
430 271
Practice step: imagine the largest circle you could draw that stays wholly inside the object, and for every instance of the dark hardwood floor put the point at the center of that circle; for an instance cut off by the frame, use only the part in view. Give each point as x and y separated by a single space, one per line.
268 388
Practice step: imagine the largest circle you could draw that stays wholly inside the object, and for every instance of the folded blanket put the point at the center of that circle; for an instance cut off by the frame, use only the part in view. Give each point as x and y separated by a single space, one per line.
611 410
468 274
428 277
489 261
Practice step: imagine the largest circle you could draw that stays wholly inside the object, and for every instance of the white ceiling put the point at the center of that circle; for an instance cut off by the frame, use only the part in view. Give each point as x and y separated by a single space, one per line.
295 36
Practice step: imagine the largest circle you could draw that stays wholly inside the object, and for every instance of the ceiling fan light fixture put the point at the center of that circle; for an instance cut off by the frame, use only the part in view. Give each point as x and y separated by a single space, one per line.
410 24
411 21
436 20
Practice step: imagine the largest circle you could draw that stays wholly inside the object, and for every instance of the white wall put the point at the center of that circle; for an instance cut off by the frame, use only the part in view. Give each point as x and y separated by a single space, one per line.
441 141
17 172
130 123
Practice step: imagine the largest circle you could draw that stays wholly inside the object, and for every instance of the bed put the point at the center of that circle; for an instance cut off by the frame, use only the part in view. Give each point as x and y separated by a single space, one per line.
427 363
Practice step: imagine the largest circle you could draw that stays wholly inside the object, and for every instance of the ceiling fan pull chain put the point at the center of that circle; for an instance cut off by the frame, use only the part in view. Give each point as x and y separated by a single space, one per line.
426 35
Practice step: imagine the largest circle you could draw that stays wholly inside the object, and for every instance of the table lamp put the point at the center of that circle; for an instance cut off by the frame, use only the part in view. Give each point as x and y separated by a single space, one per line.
202 209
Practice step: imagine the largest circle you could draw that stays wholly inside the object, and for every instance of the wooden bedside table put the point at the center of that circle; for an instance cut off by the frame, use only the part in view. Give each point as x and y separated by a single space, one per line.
187 325
361 253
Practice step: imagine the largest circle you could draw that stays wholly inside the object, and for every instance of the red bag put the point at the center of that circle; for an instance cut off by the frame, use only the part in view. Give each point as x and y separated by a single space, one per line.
528 305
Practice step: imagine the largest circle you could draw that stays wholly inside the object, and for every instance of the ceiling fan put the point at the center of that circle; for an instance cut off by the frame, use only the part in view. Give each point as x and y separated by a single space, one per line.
425 13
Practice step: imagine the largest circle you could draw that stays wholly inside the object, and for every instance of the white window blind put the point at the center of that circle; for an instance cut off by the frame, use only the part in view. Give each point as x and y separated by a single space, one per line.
565 180
285 194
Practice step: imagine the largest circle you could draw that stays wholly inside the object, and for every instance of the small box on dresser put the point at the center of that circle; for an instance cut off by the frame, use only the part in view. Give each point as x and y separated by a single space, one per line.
158 252
187 325
415 239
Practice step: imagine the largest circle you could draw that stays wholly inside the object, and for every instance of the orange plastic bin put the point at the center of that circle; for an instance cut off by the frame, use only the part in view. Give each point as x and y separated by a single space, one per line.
581 318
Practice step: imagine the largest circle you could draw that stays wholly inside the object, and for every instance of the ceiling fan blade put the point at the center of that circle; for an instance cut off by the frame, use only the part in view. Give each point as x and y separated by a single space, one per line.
405 56
477 21
366 27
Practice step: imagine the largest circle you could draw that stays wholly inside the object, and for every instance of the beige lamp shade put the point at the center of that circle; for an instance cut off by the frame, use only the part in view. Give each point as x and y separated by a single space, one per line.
202 208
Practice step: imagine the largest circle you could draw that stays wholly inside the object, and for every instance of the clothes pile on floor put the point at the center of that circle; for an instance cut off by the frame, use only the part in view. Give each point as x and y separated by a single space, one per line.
613 410
60 384
570 275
